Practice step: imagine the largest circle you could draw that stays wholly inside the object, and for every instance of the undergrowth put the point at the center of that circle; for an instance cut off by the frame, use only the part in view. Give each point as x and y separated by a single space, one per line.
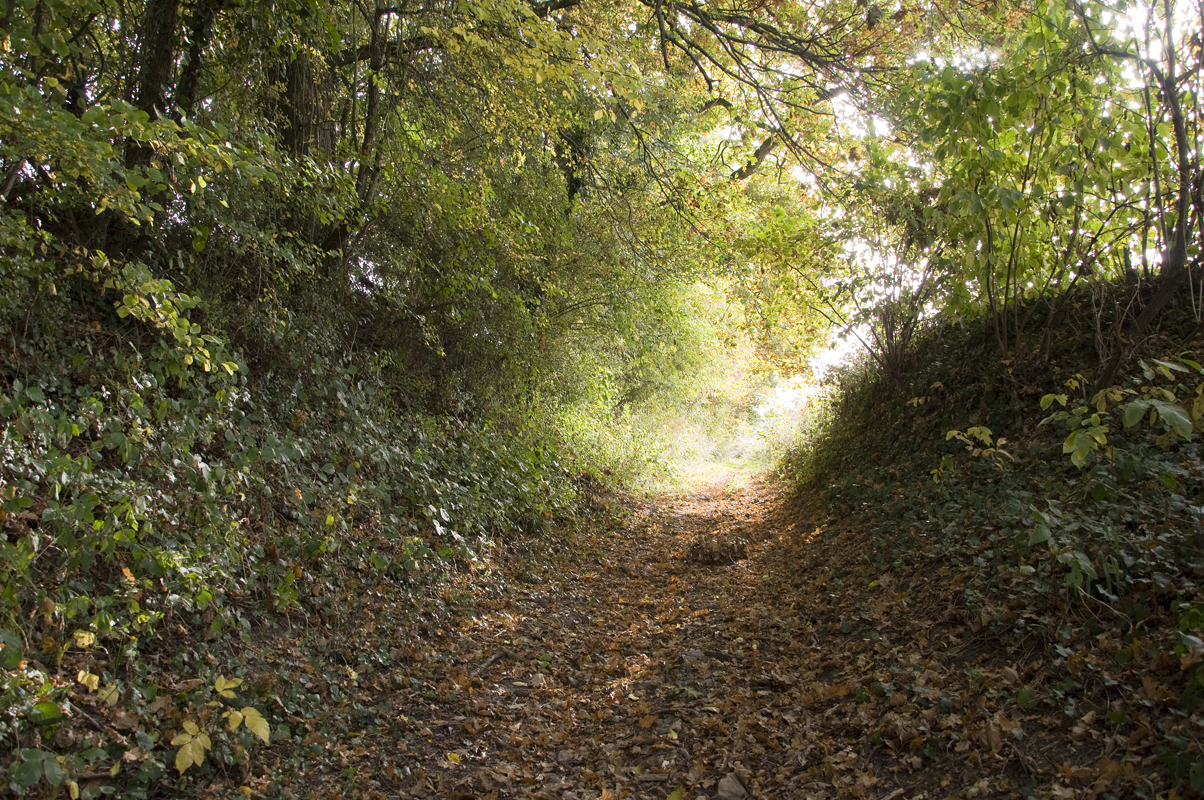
1070 512
164 505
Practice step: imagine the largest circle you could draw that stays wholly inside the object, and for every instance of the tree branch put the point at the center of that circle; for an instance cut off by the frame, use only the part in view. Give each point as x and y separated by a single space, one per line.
758 158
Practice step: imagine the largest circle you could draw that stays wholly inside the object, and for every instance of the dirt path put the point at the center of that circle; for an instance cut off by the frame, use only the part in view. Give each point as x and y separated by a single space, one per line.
648 666
718 645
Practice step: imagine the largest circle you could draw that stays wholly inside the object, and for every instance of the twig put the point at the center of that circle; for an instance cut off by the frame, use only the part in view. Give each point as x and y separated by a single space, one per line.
485 664
1032 771
89 718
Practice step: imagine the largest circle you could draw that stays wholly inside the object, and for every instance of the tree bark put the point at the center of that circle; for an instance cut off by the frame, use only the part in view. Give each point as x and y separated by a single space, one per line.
758 158
156 55
202 29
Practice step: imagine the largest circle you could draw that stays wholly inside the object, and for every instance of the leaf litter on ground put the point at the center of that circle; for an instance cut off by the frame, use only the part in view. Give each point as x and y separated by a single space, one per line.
730 643
734 644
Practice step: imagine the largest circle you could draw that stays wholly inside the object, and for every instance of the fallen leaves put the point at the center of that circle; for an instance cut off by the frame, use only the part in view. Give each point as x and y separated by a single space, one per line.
636 669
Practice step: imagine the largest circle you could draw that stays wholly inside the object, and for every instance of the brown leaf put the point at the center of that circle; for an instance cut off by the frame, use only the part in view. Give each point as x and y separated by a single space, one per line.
731 788
1078 776
123 720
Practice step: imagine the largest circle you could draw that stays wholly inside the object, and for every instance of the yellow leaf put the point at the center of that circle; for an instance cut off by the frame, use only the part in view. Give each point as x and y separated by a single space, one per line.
109 694
84 640
188 755
598 114
191 727
256 724
677 794
453 758
233 719
223 686
245 790
88 679
73 789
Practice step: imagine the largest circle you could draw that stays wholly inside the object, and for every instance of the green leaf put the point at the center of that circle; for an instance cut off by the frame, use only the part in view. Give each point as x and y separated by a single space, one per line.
1171 365
45 712
53 771
1049 399
1135 411
28 768
1175 416
1039 535
10 649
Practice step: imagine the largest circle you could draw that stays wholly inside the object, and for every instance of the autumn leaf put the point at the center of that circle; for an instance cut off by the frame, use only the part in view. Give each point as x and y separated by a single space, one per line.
193 742
109 694
225 688
256 724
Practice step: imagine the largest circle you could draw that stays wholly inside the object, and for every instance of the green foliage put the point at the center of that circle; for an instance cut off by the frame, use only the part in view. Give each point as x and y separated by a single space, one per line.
1116 520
